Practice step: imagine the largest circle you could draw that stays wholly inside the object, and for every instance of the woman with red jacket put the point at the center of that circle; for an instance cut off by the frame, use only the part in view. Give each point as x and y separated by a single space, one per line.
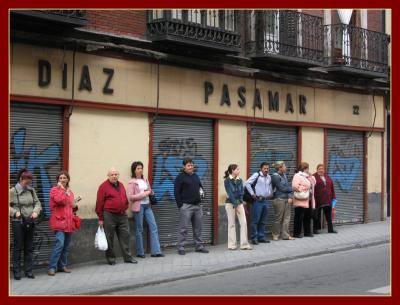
323 193
62 207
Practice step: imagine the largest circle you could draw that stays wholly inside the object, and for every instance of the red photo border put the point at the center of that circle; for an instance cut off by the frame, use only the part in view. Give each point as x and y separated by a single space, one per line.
4 110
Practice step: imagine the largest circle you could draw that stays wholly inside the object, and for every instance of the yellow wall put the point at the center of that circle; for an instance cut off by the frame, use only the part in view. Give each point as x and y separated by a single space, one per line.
374 163
100 139
232 149
312 150
135 84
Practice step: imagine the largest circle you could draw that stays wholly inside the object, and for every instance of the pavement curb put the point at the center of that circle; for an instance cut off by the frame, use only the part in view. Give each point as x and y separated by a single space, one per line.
242 266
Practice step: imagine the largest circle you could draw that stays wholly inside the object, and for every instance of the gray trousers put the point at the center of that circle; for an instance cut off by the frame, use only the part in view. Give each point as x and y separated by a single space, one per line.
282 218
190 213
114 223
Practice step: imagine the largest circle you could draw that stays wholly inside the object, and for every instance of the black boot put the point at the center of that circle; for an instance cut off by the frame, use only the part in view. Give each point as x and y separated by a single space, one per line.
17 275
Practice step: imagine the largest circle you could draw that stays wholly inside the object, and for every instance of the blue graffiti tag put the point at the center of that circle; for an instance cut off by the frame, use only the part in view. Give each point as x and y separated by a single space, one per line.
167 169
32 160
344 170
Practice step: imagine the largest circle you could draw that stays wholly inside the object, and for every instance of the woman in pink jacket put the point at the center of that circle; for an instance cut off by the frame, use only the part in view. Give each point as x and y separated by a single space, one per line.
303 200
138 195
62 207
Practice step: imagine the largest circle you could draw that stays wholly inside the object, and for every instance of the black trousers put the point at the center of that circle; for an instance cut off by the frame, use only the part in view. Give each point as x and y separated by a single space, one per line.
23 240
328 216
118 224
302 220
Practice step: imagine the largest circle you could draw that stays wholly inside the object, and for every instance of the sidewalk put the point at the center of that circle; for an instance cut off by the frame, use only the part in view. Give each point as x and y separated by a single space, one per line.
100 278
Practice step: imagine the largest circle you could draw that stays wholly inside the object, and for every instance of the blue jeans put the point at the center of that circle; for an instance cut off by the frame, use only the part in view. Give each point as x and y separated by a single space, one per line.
259 214
147 213
59 256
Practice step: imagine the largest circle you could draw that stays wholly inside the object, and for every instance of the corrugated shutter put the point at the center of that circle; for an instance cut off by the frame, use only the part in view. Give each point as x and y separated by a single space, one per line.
271 144
346 168
175 138
36 133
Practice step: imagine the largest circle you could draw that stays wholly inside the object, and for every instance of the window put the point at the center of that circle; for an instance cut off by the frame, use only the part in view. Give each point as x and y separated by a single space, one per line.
229 18
212 18
157 14
194 16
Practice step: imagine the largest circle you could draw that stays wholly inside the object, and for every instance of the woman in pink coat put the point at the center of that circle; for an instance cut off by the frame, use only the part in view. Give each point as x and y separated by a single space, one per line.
303 200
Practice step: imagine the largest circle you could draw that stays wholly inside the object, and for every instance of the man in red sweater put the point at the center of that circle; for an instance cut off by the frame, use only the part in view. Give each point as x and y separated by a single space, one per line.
111 206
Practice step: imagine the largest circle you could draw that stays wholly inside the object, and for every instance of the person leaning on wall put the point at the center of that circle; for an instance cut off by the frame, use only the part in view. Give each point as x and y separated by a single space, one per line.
62 207
138 195
24 208
324 194
111 209
234 206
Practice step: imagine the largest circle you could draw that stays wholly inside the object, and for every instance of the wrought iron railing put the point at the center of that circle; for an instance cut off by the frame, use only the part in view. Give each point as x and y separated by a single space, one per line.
78 14
285 33
357 48
209 28
71 17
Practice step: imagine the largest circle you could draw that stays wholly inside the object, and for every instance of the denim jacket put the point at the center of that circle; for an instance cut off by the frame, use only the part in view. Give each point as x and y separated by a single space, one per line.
281 186
234 189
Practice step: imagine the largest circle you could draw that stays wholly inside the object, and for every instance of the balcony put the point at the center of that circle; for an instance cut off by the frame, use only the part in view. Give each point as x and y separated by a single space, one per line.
285 36
69 18
209 29
355 50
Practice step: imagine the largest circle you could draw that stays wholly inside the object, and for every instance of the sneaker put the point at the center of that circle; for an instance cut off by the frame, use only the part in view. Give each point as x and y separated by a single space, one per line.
275 238
158 255
247 248
51 272
254 242
141 255
202 250
263 241
181 252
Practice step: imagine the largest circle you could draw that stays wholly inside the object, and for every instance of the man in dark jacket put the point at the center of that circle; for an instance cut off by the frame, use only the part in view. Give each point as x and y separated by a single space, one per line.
111 206
188 192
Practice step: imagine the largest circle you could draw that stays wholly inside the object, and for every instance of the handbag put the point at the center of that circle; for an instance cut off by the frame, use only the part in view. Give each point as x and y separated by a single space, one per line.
302 195
153 199
77 221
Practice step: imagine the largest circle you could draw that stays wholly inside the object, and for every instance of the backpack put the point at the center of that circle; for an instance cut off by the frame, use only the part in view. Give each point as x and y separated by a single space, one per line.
246 195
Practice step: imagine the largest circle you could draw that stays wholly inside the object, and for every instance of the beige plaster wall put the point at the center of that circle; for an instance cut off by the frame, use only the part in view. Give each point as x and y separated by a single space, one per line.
374 163
312 147
135 84
232 149
100 139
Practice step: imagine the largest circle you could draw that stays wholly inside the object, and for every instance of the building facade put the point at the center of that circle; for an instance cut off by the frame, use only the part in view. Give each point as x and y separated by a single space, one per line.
94 89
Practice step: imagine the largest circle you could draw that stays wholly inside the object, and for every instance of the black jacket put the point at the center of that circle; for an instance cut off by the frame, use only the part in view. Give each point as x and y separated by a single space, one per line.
187 189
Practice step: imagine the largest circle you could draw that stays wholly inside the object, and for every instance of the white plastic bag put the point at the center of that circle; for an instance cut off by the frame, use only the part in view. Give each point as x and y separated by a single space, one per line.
100 241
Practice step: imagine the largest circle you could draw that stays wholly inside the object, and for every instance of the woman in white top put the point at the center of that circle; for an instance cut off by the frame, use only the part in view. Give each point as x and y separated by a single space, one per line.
138 195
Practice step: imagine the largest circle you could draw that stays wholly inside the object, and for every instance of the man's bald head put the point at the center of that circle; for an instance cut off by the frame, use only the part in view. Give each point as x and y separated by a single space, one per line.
113 175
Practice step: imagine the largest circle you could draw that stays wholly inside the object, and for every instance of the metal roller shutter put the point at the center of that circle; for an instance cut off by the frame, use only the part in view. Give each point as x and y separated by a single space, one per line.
175 138
36 133
271 144
345 167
